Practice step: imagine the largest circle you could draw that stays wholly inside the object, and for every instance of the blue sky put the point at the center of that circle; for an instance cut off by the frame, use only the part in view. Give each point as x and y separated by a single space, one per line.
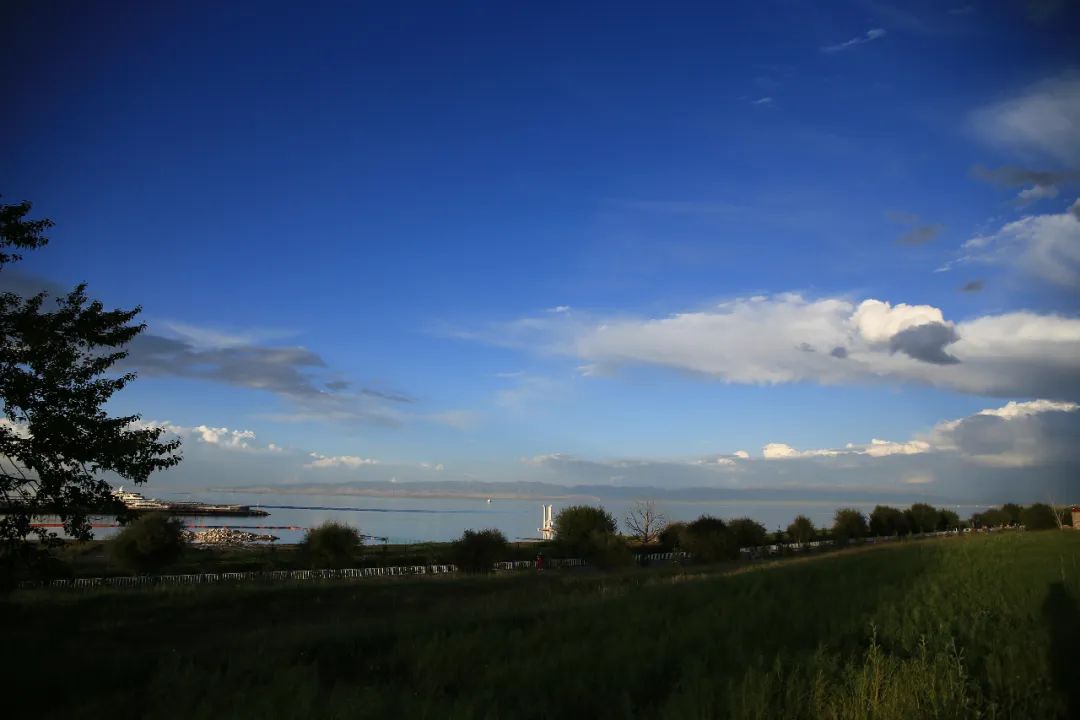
545 241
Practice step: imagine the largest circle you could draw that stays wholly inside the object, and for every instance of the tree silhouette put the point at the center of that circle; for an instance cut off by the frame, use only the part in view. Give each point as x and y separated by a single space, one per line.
56 440
644 521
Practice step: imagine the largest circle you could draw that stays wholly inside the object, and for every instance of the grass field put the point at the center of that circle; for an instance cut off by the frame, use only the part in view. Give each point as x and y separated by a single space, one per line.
966 627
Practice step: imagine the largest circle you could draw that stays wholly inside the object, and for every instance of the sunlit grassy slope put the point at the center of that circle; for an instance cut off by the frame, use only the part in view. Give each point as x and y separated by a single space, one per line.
963 627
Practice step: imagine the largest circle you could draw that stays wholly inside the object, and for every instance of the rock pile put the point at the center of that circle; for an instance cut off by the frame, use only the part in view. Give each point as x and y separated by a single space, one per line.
227 536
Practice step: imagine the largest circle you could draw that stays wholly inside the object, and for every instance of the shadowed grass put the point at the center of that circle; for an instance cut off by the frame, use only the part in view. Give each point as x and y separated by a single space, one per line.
951 628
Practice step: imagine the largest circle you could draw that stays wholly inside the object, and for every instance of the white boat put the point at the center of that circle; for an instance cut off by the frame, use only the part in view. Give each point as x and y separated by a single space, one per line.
136 501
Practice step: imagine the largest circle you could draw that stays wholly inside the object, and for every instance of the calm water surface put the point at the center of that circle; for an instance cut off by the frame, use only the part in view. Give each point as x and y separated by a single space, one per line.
411 520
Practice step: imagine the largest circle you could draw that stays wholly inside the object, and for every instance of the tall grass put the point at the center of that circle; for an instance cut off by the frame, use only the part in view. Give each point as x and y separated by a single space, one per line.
958 628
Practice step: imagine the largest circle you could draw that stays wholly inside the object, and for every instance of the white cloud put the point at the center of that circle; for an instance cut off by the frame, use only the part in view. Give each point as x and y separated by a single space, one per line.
869 36
1046 246
876 448
787 338
1013 409
782 451
878 322
338 461
742 454
222 437
1043 120
559 309
763 101
884 448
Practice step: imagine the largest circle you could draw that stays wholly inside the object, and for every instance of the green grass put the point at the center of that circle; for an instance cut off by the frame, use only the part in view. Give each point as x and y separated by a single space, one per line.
962 627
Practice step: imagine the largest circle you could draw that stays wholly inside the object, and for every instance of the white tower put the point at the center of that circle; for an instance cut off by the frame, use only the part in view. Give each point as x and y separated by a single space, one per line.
547 527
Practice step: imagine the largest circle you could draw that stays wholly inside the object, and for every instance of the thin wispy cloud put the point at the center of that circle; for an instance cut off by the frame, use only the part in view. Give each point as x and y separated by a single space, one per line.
1043 120
919 233
1036 184
767 100
869 36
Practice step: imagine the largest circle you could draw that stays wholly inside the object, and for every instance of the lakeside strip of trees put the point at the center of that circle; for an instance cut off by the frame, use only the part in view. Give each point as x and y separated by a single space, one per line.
155 542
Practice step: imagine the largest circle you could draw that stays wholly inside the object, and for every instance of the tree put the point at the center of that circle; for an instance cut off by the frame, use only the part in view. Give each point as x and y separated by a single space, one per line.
849 524
747 532
994 517
923 518
575 526
644 521
708 539
1014 512
801 530
1039 517
56 440
948 520
478 551
331 545
149 542
887 521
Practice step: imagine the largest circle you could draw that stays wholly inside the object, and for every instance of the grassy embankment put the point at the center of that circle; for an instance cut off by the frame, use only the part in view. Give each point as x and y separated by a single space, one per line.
980 626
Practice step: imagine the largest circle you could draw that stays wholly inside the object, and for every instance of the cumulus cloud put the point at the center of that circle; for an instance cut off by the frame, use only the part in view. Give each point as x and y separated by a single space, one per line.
869 36
757 340
1019 434
1043 120
222 437
1018 451
926 342
1046 246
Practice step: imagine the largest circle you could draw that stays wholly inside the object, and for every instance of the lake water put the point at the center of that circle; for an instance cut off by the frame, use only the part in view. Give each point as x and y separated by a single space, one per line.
412 520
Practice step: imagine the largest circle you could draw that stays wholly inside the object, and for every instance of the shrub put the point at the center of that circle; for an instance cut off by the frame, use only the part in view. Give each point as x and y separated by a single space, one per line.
801 530
747 532
708 539
608 551
671 536
478 550
149 542
1038 517
575 526
330 545
849 524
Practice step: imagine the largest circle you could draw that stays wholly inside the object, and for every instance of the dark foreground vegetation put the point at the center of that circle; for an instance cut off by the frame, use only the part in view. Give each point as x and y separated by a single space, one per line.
964 627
